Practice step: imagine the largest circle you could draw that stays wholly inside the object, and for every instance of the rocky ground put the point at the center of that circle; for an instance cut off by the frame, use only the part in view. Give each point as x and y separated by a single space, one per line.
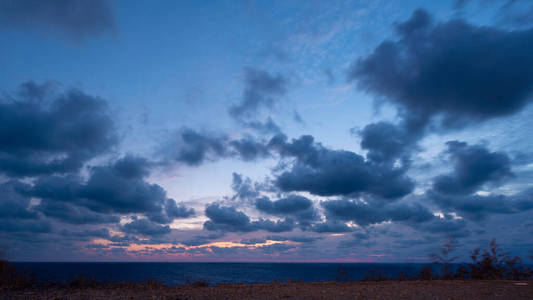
301 290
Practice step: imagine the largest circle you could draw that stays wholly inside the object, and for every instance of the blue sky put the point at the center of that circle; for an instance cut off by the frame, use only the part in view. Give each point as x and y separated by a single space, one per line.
391 125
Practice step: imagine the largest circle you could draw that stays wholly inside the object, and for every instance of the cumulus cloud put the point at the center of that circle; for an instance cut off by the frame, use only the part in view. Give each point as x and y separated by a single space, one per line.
367 213
331 227
325 172
116 188
47 133
453 73
474 166
226 218
229 219
477 207
192 147
74 19
145 227
292 206
387 142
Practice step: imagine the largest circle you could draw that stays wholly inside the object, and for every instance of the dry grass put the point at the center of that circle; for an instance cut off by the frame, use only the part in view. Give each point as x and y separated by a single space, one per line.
436 289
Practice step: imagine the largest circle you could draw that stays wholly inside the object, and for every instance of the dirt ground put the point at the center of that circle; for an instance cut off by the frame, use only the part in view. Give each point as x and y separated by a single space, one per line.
324 290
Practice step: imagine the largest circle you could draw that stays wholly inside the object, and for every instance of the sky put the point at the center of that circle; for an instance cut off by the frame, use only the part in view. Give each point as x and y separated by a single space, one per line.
264 131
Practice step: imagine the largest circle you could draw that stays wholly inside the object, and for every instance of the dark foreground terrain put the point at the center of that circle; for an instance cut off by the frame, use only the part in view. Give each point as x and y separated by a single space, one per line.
436 289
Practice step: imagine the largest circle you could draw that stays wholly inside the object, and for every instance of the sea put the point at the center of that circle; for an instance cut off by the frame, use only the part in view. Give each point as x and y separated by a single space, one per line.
178 273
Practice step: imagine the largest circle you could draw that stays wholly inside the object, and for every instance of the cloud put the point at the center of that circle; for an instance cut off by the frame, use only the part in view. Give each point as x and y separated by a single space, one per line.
108 189
289 205
298 239
193 148
25 226
249 149
178 211
331 227
13 204
74 19
266 127
115 188
73 214
452 73
325 172
261 90
52 137
474 166
243 187
274 226
227 218
145 227
369 213
477 207
292 206
86 234
16 213
387 142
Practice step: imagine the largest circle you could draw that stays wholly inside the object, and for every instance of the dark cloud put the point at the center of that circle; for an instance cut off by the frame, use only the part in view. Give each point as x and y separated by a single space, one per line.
75 19
194 148
368 213
477 207
244 188
289 205
86 234
109 190
325 172
454 73
16 212
116 188
73 214
298 239
227 218
387 142
292 206
274 226
249 149
331 227
25 226
145 227
261 90
447 225
46 133
178 211
201 239
474 166
13 204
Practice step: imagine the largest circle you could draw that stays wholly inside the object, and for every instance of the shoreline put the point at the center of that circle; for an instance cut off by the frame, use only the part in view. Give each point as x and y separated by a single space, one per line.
415 289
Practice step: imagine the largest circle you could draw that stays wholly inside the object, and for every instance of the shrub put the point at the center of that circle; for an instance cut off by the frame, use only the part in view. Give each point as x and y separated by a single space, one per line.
494 264
375 276
342 275
426 273
444 259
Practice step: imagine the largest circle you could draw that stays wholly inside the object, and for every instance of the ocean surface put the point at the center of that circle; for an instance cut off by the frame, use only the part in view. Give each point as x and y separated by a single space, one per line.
214 273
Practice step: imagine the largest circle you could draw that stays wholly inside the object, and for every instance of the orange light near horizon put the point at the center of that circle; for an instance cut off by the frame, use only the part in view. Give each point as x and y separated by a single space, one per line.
143 247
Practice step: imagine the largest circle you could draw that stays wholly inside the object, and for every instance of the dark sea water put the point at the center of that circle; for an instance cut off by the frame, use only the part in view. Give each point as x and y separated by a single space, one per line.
214 273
